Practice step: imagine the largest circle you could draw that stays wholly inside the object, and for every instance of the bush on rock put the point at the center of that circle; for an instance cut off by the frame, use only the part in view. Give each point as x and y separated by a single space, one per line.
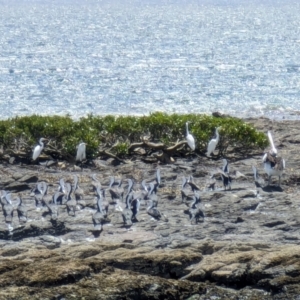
117 133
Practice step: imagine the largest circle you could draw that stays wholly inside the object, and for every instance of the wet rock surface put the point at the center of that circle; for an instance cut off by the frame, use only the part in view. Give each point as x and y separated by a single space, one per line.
246 246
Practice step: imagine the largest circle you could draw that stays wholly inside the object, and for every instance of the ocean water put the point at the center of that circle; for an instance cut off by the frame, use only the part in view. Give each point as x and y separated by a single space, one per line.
135 57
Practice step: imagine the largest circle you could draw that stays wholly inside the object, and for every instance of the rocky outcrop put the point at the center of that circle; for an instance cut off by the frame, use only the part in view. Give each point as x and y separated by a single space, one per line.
130 271
246 246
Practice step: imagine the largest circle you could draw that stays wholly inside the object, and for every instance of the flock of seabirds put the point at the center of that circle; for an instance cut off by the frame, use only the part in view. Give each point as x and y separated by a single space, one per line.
127 200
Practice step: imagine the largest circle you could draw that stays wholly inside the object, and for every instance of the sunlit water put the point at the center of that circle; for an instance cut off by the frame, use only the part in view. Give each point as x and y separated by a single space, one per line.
136 57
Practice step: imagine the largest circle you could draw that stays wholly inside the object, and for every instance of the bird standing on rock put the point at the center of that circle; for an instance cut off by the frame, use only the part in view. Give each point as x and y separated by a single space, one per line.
46 198
99 216
189 138
226 178
81 153
7 208
153 211
38 192
192 184
38 149
152 195
61 187
273 164
184 193
104 203
21 210
71 203
196 209
95 182
78 192
158 181
135 208
53 207
126 212
116 193
3 197
213 143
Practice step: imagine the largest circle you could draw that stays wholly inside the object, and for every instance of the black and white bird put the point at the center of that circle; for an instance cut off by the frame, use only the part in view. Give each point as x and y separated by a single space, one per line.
95 182
38 149
21 210
38 192
224 173
127 212
152 195
71 203
104 202
192 184
117 192
3 197
274 165
153 211
213 143
196 210
226 178
130 186
99 216
137 194
184 191
53 208
7 208
61 186
46 198
78 192
135 208
157 181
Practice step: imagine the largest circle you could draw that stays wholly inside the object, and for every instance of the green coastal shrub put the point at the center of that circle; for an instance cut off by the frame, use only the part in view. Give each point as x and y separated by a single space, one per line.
116 133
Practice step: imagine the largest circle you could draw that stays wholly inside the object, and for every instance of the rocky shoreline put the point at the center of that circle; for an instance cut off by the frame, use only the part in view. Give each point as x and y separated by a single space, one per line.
246 247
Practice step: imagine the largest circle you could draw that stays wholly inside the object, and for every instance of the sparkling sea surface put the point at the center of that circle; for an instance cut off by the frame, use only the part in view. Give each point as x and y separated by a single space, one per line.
135 57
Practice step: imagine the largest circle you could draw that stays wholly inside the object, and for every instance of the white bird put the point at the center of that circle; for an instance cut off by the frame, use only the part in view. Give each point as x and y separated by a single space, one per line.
80 156
273 164
38 149
213 143
190 139
274 150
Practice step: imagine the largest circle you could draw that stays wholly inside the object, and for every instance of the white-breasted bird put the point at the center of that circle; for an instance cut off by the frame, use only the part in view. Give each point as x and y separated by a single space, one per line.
213 143
38 148
81 152
189 138
273 164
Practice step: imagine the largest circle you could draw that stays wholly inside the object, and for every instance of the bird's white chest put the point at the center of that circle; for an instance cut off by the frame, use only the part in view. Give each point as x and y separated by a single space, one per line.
271 171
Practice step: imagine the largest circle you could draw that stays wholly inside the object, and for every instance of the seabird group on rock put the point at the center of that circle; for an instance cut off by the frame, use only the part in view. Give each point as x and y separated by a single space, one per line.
128 202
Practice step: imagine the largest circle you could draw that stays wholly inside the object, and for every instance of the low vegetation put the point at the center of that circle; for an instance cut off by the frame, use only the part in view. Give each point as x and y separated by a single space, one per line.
123 135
